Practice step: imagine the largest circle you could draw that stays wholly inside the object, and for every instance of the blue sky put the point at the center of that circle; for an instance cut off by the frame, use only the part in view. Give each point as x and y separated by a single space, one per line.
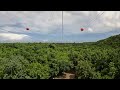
45 26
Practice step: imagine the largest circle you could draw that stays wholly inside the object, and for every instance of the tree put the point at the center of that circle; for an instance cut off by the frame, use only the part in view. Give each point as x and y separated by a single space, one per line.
84 70
13 66
38 71
112 70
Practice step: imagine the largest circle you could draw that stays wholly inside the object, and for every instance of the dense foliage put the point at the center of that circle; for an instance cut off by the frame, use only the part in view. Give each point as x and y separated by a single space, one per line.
100 60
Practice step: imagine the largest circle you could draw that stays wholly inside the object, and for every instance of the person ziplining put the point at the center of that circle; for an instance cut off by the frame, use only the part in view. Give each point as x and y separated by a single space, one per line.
92 21
82 29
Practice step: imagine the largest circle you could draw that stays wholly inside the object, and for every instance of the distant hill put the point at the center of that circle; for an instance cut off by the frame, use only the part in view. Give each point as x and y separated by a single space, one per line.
113 41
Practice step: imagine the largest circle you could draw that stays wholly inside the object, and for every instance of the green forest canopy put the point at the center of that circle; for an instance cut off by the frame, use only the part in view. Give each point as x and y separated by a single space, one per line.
99 60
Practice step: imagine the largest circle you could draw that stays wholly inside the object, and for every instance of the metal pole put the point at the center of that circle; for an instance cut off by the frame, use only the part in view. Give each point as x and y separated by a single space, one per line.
62 26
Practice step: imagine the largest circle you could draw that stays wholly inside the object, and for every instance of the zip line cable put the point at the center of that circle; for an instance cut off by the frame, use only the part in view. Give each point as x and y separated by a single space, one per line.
52 20
92 20
93 24
98 15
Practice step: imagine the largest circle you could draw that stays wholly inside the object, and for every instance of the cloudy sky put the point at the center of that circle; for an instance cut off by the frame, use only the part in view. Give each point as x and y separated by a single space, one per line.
46 26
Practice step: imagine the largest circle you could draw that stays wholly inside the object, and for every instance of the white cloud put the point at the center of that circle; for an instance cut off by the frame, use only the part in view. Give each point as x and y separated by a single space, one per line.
45 22
90 29
13 37
42 22
109 21
45 40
